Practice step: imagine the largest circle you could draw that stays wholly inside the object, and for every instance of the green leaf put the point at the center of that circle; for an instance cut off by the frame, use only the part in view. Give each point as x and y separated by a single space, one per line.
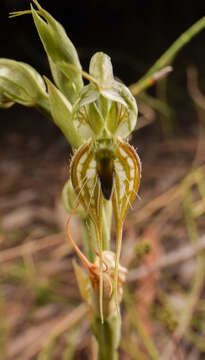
60 51
61 111
21 83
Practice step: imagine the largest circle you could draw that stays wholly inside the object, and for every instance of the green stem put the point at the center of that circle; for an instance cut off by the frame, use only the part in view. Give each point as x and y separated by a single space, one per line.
156 104
88 236
168 55
107 355
108 336
43 107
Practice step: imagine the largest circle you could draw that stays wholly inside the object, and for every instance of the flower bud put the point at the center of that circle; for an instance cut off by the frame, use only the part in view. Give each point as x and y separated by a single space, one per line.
5 102
21 83
101 69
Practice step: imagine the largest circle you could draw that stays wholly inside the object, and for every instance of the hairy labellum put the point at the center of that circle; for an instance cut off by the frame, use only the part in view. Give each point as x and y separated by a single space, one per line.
105 171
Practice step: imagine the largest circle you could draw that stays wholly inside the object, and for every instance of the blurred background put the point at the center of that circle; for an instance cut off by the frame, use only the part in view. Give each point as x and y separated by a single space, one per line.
38 293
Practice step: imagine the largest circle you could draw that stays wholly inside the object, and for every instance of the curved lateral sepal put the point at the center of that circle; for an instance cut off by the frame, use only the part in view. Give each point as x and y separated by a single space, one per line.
87 187
127 180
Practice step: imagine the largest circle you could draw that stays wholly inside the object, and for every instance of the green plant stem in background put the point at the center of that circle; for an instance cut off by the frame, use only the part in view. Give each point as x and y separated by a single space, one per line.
71 344
168 56
137 324
130 348
198 281
155 104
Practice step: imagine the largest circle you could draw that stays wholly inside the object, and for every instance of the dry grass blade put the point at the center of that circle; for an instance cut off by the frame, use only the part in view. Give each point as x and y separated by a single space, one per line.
166 198
32 341
31 247
147 285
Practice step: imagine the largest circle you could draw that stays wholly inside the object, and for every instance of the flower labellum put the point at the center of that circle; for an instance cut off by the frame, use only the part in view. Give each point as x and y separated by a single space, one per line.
105 157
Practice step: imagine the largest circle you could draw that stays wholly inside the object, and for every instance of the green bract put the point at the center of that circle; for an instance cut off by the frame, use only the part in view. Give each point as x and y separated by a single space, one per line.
60 51
61 112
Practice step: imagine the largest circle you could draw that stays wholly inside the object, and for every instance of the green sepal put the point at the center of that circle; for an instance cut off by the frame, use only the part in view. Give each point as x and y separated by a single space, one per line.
61 111
101 69
60 51
21 83
114 95
125 127
87 96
